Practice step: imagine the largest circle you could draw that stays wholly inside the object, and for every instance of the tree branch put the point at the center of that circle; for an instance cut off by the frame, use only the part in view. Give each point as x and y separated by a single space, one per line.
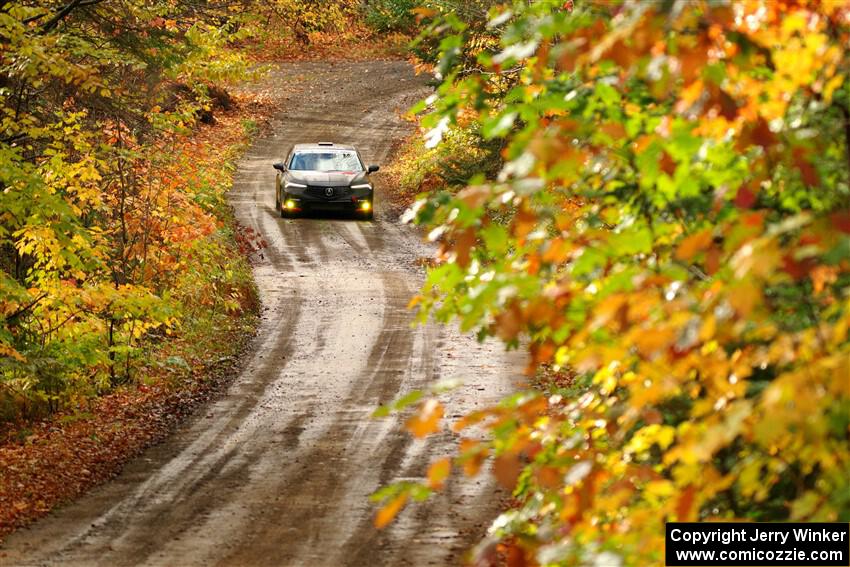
57 18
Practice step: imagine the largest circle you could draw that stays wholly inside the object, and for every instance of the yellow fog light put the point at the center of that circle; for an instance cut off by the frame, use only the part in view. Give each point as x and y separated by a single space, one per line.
365 206
290 204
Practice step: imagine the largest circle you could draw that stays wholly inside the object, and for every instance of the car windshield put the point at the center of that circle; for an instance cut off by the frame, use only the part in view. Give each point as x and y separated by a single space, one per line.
325 161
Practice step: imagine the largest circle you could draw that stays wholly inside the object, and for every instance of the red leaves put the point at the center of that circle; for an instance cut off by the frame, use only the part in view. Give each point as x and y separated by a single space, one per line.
685 504
807 171
797 269
841 221
759 134
728 106
745 198
667 164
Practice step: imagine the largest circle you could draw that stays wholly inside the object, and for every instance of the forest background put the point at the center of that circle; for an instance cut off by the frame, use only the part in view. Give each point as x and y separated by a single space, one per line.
651 197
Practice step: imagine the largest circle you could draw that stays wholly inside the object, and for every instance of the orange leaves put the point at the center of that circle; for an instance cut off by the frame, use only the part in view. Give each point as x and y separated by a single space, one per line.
463 246
506 469
614 130
694 244
509 322
427 419
472 455
524 221
692 61
438 472
390 510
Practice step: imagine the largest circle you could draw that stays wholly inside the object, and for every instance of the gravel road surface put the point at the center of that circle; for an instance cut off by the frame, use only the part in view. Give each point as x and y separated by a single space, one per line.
278 471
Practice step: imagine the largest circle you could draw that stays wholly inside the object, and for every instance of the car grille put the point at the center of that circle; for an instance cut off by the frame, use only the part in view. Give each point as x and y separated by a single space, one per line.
318 191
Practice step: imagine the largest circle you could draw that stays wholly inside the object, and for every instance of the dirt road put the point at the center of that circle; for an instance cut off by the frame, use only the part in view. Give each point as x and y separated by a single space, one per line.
278 471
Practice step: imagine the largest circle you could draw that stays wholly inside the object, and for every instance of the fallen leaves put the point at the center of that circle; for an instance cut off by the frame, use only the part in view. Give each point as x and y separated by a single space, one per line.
60 458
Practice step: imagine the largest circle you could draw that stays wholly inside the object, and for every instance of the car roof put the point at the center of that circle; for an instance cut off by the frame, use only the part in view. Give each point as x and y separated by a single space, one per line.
323 146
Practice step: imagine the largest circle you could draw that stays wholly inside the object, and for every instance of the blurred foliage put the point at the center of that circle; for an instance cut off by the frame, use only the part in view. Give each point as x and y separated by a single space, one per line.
671 230
461 155
390 15
113 227
306 16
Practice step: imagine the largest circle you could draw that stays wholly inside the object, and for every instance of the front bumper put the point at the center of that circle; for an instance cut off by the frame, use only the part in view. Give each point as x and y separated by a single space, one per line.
328 199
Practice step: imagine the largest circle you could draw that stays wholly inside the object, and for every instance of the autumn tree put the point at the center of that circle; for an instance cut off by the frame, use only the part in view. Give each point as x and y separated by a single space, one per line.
97 221
669 237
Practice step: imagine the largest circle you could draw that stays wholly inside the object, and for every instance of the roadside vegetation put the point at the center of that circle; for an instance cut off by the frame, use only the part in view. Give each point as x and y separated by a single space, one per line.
653 200
125 289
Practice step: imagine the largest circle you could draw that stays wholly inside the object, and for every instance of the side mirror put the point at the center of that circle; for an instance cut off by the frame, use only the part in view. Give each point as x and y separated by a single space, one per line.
372 169
279 166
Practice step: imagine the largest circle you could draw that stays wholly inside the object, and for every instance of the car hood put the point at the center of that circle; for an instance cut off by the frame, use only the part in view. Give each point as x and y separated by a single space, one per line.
330 179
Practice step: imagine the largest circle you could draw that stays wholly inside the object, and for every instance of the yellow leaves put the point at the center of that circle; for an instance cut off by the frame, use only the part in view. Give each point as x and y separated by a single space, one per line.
424 13
427 418
646 437
390 510
744 297
831 86
606 379
659 489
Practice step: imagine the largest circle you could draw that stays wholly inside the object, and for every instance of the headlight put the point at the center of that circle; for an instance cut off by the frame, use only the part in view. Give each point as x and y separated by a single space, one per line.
361 186
291 184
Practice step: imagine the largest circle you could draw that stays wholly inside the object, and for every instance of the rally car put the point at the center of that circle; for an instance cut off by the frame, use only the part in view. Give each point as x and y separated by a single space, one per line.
324 176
